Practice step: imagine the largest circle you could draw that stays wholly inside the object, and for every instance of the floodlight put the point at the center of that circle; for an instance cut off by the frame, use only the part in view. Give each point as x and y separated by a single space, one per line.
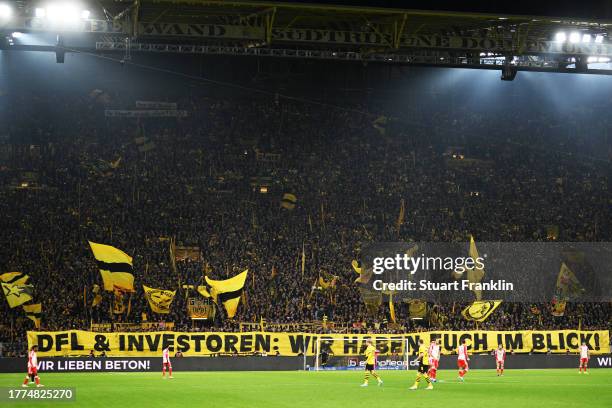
70 12
599 39
586 38
54 12
560 36
5 10
574 37
40 12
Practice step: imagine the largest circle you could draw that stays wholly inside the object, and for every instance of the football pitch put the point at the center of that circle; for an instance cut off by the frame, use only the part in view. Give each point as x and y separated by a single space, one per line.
516 389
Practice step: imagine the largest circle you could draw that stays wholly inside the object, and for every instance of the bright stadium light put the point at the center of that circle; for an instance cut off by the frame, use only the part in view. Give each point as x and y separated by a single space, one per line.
65 12
40 12
574 37
5 11
599 39
54 12
70 12
560 36
17 34
586 38
598 59
85 14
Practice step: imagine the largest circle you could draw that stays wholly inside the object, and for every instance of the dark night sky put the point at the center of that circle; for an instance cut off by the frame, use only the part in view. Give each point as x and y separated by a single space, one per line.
601 9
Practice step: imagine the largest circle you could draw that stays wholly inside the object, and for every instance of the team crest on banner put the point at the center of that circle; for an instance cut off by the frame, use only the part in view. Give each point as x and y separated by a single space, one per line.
159 299
480 310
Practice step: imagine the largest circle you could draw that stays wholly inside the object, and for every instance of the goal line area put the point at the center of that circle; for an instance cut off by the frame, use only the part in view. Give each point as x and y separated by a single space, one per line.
353 358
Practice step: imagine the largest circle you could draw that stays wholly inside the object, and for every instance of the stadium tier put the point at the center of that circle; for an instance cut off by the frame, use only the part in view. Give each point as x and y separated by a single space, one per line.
200 194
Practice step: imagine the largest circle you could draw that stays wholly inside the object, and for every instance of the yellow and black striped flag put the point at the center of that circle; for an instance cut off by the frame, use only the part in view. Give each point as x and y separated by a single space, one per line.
288 201
14 278
15 288
228 291
33 312
115 267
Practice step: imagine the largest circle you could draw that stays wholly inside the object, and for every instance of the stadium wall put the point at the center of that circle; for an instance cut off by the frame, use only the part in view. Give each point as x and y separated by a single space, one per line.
117 364
275 363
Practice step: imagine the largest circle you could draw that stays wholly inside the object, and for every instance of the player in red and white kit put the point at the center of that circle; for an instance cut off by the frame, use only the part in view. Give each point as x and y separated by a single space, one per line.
584 358
500 358
462 359
32 368
166 363
434 359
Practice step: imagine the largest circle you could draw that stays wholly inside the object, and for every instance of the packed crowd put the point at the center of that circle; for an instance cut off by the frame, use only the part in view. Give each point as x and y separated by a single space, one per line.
201 183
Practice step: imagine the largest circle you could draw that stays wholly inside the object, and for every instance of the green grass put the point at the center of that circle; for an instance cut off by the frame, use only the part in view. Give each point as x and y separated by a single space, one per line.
482 388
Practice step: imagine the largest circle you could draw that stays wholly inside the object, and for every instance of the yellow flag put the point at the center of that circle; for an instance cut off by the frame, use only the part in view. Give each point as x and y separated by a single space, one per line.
480 310
417 309
289 200
329 282
159 299
202 290
303 259
17 294
228 291
558 308
15 289
33 312
358 268
118 305
97 296
392 309
402 215
568 285
115 267
475 274
380 124
18 278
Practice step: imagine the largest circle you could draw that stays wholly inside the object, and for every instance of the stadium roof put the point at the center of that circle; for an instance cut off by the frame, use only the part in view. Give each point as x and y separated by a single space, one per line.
333 17
395 35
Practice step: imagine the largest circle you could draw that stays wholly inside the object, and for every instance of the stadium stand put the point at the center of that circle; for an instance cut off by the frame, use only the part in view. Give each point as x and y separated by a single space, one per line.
81 177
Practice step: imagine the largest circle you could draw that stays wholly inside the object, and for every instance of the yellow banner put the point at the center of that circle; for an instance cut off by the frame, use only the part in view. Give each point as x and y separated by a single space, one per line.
76 342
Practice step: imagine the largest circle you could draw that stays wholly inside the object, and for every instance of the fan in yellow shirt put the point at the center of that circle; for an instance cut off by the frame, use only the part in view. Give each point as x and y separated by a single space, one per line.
370 355
423 359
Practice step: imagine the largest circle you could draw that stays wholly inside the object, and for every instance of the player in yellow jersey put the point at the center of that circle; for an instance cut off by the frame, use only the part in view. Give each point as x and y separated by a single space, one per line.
370 354
423 359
